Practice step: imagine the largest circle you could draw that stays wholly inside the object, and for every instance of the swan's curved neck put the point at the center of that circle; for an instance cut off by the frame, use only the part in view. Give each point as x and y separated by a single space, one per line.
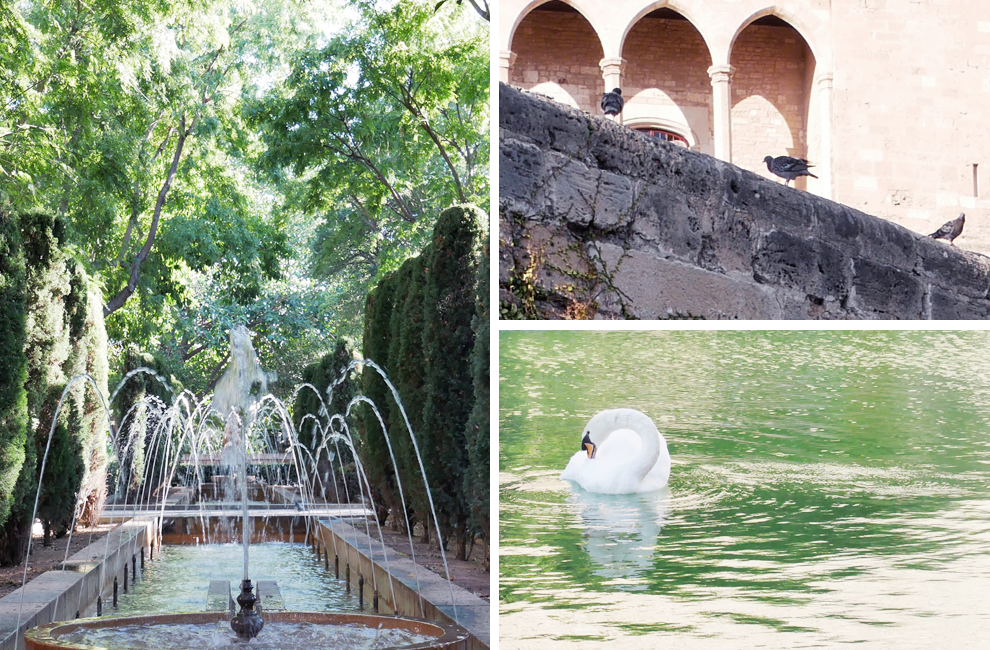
649 437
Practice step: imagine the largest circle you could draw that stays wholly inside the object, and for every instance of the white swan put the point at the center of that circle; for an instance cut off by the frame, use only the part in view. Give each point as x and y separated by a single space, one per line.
621 453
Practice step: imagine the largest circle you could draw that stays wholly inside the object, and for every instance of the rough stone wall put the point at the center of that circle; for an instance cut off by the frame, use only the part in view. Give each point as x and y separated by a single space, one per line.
597 221
653 87
769 96
559 48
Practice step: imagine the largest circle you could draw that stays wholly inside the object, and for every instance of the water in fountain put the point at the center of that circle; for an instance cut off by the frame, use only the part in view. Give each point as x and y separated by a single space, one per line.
187 435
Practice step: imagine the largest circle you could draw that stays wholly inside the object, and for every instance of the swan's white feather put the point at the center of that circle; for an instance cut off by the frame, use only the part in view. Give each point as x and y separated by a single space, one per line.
609 472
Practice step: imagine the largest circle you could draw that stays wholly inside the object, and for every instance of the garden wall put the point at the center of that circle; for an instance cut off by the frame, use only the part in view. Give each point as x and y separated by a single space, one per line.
596 220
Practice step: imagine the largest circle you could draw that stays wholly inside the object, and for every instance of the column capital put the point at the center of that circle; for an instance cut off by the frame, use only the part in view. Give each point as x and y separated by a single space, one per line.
506 59
721 72
825 79
614 65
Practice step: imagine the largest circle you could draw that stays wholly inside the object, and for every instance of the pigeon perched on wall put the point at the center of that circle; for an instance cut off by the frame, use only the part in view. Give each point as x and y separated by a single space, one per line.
612 102
788 168
950 229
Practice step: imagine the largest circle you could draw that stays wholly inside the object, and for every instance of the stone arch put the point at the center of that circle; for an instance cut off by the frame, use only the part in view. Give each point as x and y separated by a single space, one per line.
577 5
666 74
774 104
559 50
683 8
675 125
813 33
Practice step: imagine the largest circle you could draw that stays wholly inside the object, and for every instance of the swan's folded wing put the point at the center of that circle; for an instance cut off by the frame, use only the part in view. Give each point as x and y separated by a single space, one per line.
574 466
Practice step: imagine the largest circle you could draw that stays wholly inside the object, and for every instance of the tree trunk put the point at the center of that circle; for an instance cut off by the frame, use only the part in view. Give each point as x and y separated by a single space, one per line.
14 538
118 301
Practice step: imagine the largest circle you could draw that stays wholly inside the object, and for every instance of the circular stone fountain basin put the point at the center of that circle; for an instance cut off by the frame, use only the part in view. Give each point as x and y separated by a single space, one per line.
282 631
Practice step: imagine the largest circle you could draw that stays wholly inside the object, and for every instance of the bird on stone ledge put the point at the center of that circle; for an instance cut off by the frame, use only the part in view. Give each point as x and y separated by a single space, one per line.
612 102
788 168
950 229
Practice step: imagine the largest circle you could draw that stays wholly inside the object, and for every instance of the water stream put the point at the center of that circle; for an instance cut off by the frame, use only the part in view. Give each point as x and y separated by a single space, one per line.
827 488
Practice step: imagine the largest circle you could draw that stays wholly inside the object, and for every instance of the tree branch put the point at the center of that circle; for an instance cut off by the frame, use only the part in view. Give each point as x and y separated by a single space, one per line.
118 301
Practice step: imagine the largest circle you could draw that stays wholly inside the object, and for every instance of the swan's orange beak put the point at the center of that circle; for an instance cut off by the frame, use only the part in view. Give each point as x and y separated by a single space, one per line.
590 446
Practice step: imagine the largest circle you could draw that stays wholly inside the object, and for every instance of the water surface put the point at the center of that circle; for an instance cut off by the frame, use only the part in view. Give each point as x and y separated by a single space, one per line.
828 488
178 579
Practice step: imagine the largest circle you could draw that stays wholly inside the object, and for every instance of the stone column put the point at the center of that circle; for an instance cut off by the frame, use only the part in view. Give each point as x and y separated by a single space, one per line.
722 95
613 70
505 61
825 107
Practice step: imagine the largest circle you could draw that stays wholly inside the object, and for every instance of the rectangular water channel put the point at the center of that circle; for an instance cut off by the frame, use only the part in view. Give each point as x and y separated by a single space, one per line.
178 580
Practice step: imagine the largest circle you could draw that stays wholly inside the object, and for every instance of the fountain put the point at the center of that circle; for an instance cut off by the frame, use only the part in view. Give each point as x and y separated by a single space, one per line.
240 401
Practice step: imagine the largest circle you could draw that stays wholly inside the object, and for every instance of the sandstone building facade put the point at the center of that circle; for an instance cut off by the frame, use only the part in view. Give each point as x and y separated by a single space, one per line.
889 99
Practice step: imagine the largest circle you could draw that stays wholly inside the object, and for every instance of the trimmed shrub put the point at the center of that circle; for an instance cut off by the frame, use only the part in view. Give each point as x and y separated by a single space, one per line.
335 458
476 479
13 361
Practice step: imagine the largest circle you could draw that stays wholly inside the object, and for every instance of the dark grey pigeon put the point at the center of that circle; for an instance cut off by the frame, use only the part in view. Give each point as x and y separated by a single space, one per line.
788 168
612 102
950 229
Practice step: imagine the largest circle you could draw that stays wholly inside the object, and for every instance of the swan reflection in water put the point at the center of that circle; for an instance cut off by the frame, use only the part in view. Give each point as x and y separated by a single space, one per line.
620 530
621 498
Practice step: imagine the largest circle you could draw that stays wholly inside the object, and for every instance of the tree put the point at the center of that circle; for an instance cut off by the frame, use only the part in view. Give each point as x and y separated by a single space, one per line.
322 374
375 130
13 361
478 432
448 343
406 368
371 443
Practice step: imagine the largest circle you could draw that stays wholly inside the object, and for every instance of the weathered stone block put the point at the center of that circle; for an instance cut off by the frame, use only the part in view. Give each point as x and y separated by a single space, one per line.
882 291
521 174
653 287
614 200
573 191
967 274
949 306
545 123
809 265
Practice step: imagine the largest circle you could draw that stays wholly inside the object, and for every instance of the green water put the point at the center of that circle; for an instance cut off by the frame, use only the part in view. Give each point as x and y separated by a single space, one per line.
178 579
827 488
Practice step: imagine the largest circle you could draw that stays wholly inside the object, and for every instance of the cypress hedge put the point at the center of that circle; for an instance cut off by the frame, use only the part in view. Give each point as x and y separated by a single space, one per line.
421 327
328 465
371 438
476 479
137 419
53 317
406 367
13 361
448 342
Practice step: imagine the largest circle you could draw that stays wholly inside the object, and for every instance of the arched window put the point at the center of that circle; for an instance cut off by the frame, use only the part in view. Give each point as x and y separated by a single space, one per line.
664 134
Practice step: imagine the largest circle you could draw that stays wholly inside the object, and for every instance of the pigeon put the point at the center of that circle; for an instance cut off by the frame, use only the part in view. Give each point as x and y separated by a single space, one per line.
950 229
612 102
788 168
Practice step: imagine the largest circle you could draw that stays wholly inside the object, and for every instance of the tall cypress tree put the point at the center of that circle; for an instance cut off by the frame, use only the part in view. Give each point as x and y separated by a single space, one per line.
476 480
13 361
374 453
448 342
399 371
408 370
47 349
321 374
89 355
136 442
